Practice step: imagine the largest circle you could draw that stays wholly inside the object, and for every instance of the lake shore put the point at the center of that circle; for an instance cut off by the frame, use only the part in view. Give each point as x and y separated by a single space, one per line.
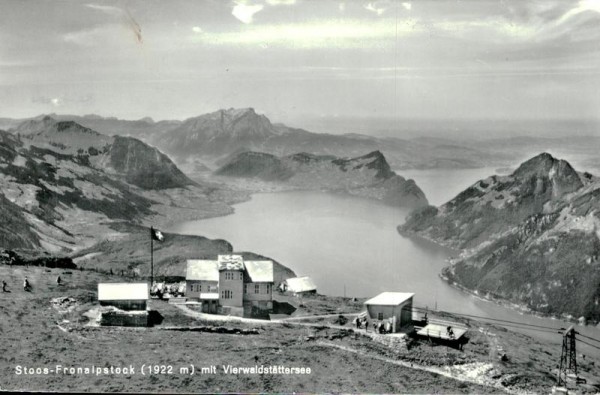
523 309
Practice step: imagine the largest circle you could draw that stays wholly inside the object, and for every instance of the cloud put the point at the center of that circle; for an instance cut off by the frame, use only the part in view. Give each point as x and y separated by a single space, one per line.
344 33
245 13
281 2
197 29
109 10
89 37
407 6
124 15
582 6
375 9
61 100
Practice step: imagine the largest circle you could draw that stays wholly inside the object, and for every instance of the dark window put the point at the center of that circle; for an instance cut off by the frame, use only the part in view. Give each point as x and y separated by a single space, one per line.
200 288
256 288
380 316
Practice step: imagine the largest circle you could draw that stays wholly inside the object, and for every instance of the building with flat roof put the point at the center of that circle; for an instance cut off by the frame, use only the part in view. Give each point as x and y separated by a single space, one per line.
300 285
124 304
231 285
124 296
394 308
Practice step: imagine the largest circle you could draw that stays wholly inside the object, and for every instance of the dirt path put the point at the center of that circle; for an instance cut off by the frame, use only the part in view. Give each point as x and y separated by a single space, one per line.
474 373
219 318
306 317
228 318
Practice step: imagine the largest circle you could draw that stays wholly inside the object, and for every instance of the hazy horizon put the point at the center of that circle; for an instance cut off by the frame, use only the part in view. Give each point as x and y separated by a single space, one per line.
410 128
308 64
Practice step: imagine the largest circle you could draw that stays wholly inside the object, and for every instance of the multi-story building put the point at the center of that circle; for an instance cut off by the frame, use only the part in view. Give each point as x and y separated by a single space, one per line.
230 285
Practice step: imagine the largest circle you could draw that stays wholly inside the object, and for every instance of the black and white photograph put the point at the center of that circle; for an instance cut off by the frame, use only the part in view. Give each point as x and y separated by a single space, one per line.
300 196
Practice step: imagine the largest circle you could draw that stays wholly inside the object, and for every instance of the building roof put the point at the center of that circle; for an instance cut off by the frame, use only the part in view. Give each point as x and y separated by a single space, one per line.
203 270
260 271
441 331
390 298
123 291
231 262
301 284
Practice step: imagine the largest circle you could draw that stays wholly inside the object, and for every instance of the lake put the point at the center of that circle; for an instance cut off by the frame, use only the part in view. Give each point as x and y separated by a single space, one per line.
350 245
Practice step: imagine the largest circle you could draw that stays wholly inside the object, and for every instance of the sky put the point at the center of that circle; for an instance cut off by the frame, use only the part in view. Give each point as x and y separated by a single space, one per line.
302 59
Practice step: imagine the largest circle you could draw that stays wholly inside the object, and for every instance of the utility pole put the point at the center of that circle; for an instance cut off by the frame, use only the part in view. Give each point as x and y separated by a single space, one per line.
568 357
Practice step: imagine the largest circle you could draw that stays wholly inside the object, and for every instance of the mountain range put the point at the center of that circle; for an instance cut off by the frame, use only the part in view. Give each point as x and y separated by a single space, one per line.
531 237
59 177
368 176
211 138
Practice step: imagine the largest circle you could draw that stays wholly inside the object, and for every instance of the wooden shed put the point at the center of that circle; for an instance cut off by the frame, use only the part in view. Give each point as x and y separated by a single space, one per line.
392 307
124 296
300 285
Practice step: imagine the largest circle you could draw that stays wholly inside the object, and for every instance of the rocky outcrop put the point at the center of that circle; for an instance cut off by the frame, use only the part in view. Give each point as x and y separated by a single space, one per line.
143 165
496 204
531 237
15 232
367 176
135 161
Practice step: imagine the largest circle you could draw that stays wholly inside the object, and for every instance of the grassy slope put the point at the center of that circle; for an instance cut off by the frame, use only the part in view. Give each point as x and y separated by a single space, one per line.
131 253
32 338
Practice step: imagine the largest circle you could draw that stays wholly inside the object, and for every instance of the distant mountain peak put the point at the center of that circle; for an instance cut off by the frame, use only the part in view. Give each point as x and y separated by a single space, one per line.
543 162
375 155
564 178
239 111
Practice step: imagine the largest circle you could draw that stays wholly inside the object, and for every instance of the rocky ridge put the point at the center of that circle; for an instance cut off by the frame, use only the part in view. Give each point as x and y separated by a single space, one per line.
367 176
531 237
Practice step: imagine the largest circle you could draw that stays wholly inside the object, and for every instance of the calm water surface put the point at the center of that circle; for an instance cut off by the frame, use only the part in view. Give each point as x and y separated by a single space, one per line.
350 245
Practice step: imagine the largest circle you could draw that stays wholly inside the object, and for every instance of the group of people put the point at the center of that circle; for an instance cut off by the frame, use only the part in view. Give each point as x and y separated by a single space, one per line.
383 327
26 284
378 327
360 322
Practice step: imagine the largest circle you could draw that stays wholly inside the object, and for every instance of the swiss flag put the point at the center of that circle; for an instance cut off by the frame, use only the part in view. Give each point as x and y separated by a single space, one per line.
156 234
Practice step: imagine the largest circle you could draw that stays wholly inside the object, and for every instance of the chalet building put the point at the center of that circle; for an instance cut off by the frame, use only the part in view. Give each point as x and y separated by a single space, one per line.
230 285
392 307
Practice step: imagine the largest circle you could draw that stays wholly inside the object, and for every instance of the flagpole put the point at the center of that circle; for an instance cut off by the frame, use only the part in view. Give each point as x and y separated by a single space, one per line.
151 257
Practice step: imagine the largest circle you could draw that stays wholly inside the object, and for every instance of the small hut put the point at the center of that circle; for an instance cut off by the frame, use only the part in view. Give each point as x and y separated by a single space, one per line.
300 285
124 296
394 308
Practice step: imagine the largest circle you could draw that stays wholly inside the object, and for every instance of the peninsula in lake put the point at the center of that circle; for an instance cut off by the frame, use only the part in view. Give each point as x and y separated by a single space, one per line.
367 176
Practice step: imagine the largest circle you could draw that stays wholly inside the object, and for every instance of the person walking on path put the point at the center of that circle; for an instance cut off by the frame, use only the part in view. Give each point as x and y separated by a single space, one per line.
4 286
58 280
26 285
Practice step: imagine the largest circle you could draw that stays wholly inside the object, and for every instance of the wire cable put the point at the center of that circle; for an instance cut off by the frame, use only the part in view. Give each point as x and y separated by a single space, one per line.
587 337
589 344
491 319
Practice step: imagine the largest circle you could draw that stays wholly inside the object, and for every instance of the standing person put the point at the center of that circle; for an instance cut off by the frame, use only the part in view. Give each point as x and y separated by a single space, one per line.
4 286
58 280
366 325
26 285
